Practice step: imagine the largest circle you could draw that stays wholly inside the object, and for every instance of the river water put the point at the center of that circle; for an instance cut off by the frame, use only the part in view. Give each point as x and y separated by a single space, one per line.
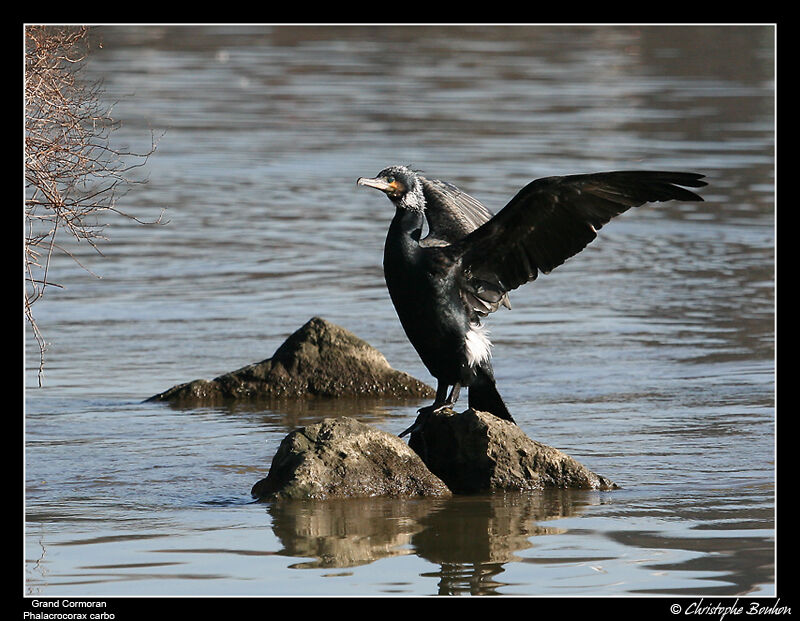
649 357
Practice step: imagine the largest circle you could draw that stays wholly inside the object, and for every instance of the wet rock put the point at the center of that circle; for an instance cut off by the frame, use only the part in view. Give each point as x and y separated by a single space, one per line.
470 452
319 359
341 457
478 452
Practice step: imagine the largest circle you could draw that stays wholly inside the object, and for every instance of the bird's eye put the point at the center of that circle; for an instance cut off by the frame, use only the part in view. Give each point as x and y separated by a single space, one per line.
389 179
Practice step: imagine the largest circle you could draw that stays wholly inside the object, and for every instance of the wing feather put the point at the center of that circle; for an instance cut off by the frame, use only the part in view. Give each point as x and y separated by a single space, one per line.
554 218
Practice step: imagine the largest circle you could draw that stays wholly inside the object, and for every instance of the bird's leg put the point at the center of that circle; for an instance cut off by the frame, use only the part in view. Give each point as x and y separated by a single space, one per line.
441 401
452 397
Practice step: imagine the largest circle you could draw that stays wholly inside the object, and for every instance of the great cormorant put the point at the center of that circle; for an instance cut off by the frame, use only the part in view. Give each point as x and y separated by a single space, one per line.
443 283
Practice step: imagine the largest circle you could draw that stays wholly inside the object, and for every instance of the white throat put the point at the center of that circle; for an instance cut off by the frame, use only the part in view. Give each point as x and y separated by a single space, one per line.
413 199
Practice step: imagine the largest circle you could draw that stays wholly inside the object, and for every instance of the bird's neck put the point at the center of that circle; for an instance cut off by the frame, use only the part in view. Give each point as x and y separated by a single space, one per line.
407 224
402 241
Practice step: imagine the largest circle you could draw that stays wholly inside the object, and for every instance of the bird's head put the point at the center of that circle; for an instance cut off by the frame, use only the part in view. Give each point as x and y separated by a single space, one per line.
400 184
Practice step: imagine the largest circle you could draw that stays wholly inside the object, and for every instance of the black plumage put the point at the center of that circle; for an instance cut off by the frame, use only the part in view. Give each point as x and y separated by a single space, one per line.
442 284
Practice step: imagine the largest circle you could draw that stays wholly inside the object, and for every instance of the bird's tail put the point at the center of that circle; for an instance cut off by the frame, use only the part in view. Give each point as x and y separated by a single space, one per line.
483 395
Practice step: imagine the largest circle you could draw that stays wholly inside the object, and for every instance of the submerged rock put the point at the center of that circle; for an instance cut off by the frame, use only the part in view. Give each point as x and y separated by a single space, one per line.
341 457
319 359
478 452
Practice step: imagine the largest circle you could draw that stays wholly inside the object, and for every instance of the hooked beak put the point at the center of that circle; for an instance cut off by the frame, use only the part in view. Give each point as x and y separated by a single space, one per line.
377 183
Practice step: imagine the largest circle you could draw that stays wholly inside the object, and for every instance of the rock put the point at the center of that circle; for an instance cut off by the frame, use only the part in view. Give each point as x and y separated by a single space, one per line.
341 457
478 452
319 359
471 452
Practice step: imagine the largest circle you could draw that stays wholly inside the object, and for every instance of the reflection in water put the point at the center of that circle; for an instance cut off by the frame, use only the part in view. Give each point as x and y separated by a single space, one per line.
347 532
469 537
289 414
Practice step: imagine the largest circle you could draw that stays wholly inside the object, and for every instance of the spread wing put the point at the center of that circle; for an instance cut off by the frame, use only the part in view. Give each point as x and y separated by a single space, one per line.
552 219
453 214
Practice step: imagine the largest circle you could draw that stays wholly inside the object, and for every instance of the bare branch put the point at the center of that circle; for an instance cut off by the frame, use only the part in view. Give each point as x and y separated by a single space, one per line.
72 173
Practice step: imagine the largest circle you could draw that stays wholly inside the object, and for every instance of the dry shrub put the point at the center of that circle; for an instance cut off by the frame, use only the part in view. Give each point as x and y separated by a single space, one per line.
72 173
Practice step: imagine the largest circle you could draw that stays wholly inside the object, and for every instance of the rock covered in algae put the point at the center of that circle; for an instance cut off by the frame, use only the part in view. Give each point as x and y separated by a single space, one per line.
319 359
340 458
